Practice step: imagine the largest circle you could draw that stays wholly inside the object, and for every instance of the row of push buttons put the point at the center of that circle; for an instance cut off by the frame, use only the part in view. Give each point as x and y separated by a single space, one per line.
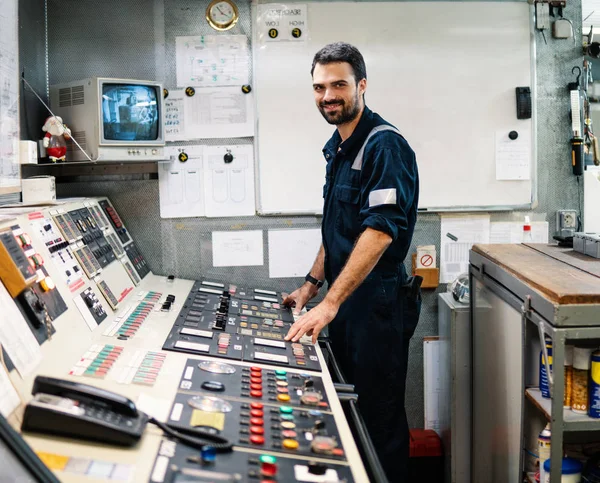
223 342
277 386
138 316
298 350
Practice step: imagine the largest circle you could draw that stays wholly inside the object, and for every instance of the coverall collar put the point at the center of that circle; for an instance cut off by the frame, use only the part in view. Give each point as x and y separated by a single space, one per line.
356 139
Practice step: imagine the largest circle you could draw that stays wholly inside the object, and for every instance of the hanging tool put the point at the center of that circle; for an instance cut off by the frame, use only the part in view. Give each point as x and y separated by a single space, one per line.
577 141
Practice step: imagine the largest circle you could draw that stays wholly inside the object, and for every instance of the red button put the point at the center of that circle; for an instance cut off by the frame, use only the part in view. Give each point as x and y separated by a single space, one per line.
256 387
257 394
256 380
323 404
338 452
256 406
257 421
288 433
257 430
256 369
257 439
256 374
256 413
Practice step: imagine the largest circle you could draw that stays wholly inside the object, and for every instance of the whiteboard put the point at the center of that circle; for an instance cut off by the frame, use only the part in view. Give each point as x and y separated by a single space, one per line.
444 73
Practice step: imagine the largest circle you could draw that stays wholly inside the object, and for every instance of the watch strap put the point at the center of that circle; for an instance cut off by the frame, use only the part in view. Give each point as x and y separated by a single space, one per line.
315 281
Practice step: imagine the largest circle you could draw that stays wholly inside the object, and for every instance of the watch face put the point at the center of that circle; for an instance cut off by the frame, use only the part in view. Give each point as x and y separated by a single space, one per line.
222 14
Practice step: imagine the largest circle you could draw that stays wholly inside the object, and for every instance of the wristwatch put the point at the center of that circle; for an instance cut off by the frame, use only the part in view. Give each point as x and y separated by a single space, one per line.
313 280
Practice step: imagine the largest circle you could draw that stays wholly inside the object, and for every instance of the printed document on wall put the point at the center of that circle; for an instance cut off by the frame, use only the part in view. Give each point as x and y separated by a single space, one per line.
512 232
9 398
16 336
292 252
237 248
458 234
229 180
181 183
10 169
212 60
219 113
513 156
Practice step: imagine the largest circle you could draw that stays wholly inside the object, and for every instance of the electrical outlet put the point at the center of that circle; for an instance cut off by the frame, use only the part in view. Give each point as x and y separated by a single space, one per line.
566 222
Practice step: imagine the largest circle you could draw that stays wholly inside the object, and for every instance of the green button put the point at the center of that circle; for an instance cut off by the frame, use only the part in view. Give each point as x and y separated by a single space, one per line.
287 417
267 458
280 372
281 378
286 409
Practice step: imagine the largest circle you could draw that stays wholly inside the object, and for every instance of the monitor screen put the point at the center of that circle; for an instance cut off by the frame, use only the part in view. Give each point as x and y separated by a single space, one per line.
130 112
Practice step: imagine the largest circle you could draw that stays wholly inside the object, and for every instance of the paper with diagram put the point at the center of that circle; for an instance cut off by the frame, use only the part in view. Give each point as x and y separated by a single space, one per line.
10 173
181 183
212 60
229 180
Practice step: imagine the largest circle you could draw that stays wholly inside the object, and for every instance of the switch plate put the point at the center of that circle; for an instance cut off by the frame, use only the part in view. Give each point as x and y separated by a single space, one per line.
542 15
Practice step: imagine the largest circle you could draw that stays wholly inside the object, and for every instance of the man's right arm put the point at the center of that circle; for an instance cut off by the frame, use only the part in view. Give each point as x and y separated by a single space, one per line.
300 297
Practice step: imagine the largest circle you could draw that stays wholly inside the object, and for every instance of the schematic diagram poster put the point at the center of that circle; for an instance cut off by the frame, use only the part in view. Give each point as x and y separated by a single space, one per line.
10 179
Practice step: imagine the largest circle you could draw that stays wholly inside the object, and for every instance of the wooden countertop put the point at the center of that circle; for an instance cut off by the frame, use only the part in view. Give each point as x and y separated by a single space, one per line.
562 275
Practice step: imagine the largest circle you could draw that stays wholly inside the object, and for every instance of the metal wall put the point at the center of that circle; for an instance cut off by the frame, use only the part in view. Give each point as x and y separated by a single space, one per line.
136 38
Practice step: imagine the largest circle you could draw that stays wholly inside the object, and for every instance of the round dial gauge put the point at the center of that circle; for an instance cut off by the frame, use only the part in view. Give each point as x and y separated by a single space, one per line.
222 14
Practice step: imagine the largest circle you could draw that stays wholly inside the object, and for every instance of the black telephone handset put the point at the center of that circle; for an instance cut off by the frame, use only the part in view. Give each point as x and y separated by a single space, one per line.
80 411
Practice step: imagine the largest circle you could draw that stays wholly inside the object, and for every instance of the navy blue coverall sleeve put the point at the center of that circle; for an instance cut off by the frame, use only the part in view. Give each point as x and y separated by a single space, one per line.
389 185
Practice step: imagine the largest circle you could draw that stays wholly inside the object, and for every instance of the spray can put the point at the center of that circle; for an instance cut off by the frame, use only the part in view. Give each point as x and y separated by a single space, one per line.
594 386
544 449
544 380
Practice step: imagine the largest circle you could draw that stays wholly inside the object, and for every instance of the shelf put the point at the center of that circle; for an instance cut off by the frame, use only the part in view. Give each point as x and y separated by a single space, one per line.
572 421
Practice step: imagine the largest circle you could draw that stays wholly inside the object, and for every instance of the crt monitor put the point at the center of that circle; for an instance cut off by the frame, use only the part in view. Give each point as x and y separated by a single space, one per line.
112 119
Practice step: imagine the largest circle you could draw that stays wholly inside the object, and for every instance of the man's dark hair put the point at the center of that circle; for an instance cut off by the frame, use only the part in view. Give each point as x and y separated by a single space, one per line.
341 52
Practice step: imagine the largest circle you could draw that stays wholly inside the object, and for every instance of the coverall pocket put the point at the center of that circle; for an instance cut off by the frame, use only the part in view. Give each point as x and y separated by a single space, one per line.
347 210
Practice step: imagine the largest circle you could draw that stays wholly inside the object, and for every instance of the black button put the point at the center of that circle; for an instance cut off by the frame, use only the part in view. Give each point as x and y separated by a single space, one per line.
245 406
214 386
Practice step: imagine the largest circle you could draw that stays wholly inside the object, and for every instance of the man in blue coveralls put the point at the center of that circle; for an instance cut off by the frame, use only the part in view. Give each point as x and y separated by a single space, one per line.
370 208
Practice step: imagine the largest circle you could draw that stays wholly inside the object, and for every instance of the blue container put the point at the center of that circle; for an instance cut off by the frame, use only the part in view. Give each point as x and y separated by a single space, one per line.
570 466
594 386
544 382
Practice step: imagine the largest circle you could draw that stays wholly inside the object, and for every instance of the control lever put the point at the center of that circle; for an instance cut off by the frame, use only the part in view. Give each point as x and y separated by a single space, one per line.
347 396
343 388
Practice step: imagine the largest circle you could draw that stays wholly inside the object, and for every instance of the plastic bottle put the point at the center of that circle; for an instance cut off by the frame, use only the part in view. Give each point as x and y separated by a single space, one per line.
544 449
527 236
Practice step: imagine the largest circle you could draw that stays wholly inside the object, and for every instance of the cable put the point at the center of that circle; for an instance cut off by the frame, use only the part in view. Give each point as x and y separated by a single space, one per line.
193 437
579 224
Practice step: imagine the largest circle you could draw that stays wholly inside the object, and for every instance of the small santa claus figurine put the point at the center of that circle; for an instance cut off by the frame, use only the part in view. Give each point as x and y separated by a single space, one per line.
54 140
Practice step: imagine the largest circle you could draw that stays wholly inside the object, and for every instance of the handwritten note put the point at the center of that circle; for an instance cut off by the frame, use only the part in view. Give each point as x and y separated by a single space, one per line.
174 116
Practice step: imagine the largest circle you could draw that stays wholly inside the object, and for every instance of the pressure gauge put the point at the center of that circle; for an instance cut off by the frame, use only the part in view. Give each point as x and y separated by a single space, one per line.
222 14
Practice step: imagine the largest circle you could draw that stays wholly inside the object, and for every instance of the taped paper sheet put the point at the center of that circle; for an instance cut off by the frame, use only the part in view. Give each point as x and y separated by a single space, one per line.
237 248
181 183
229 181
292 252
458 234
